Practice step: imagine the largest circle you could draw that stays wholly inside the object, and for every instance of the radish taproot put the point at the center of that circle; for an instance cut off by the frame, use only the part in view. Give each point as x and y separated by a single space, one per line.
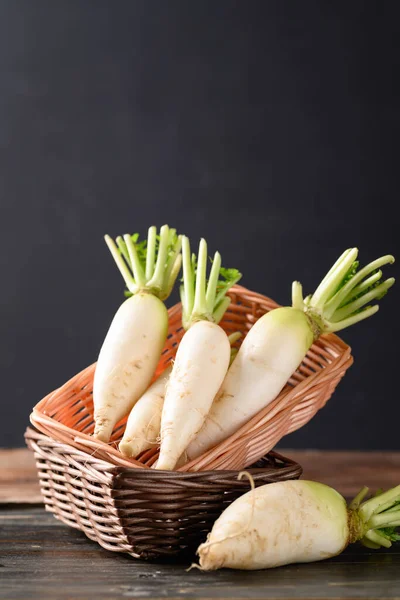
203 354
142 429
136 337
280 339
143 425
297 521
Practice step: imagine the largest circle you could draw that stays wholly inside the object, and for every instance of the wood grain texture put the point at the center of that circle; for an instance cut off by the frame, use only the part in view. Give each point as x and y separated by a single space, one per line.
345 471
44 560
18 479
349 471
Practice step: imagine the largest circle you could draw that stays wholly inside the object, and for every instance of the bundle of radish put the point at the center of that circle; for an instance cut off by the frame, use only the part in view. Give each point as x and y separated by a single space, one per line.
136 337
279 341
297 521
142 429
203 355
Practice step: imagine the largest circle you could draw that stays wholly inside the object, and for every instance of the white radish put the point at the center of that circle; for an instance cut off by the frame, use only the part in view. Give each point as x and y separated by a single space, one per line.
200 366
269 354
296 522
143 426
144 423
279 341
128 359
203 355
136 337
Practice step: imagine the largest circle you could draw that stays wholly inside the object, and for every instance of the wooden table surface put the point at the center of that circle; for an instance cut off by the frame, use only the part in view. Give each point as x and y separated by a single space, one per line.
41 558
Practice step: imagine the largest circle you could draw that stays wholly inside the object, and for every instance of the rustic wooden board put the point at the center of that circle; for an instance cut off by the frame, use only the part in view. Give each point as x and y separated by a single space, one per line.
42 559
18 479
349 471
346 471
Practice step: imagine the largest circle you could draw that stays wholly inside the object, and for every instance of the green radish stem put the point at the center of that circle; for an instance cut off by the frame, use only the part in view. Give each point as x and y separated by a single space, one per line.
233 338
202 299
376 519
148 266
344 295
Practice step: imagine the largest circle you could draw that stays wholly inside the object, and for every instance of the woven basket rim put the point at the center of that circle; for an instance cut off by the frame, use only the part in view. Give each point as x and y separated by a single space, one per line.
31 433
339 353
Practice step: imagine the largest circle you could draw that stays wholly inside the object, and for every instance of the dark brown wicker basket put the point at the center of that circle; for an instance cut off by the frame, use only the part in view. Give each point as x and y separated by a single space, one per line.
147 513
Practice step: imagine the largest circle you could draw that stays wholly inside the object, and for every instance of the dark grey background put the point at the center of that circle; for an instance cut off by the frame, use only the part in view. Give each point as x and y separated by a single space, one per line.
271 128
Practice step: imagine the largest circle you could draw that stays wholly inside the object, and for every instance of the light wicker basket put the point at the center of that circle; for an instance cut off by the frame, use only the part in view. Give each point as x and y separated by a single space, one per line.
125 505
66 414
146 513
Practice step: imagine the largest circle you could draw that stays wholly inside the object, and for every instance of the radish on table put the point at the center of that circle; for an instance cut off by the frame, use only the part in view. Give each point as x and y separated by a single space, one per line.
203 355
297 521
279 341
142 429
136 337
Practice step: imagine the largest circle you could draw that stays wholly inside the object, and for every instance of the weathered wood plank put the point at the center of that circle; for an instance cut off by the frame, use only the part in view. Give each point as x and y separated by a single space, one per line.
346 471
42 559
18 479
349 471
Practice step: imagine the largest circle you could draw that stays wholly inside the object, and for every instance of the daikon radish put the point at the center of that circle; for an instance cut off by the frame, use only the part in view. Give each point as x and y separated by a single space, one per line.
203 355
136 337
143 426
142 429
279 341
296 522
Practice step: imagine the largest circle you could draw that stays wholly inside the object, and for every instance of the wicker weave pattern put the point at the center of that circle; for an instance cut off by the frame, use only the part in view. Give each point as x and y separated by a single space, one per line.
67 413
143 512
